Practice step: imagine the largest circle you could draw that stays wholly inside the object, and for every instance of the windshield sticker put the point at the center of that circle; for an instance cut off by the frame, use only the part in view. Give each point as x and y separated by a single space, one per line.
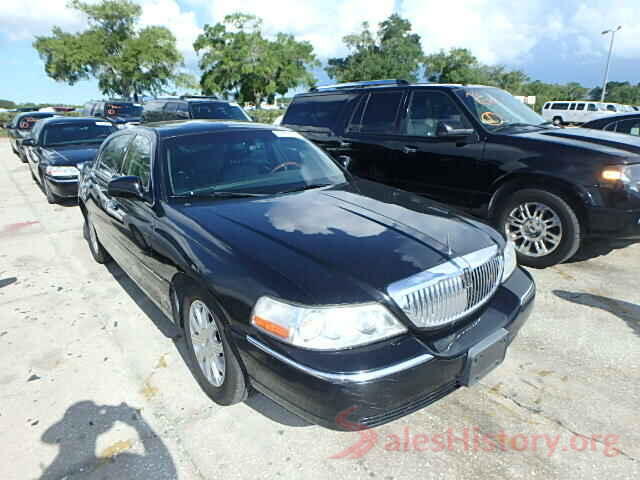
286 134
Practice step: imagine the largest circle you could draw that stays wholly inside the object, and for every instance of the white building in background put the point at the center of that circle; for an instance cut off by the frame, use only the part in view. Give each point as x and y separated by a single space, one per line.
527 100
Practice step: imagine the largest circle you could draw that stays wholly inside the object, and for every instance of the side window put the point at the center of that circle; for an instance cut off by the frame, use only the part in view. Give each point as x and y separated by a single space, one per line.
182 107
112 155
380 112
427 110
580 106
632 127
572 106
546 106
138 161
592 108
170 107
611 127
315 111
560 106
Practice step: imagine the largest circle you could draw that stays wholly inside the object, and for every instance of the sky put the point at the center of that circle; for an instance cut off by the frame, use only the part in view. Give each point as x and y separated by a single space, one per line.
550 40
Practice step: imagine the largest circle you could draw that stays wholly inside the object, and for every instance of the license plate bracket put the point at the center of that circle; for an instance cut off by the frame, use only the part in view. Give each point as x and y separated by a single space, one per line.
486 355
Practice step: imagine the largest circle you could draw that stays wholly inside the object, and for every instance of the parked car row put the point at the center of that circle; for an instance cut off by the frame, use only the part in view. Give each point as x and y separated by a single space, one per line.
295 271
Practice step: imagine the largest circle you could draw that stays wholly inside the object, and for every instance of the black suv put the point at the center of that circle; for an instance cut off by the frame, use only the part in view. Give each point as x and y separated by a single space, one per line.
118 112
192 107
481 149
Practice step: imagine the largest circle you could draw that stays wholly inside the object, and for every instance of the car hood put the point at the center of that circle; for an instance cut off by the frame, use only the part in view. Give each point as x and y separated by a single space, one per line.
71 154
322 239
609 143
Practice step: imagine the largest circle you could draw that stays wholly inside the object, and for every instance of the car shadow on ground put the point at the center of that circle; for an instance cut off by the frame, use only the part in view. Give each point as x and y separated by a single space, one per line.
76 434
256 401
625 311
598 248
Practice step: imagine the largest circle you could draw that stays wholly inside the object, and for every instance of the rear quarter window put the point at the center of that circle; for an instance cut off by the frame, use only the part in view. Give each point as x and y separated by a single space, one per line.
560 106
315 111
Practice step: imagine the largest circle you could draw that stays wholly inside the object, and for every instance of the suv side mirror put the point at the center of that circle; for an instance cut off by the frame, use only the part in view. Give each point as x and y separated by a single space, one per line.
28 142
126 187
445 130
344 160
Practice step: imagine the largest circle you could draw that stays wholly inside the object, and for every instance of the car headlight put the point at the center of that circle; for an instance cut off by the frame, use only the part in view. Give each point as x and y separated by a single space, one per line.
325 328
57 172
627 174
510 260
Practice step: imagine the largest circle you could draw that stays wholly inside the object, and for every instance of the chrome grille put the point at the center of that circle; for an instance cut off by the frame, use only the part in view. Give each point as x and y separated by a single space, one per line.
449 291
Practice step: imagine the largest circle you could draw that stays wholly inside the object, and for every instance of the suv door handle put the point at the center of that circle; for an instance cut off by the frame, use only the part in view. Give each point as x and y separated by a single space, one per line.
409 150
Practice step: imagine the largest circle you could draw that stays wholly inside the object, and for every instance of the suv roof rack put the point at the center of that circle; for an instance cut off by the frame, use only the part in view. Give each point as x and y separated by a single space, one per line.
209 97
364 84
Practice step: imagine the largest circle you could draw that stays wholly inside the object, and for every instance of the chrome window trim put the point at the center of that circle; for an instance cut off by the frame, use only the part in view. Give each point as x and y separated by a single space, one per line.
334 377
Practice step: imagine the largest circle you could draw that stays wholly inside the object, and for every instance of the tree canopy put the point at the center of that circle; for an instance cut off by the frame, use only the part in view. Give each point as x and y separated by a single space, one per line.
392 52
126 60
236 59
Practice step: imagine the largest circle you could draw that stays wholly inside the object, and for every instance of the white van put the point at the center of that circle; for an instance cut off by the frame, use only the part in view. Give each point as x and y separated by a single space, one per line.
562 112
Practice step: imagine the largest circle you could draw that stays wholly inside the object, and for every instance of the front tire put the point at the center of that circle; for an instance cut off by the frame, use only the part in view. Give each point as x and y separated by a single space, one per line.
51 197
557 121
212 360
98 252
543 226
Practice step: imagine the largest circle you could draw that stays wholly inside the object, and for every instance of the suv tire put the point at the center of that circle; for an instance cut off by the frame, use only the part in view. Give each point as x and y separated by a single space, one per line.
543 226
557 121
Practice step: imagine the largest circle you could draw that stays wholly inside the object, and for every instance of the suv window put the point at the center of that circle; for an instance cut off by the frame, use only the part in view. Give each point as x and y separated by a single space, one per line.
572 106
138 161
560 106
182 107
170 107
315 111
379 112
112 154
592 108
631 127
427 109
154 106
580 106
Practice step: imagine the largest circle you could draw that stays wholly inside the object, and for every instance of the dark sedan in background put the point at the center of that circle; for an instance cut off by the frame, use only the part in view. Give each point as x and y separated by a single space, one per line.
20 128
628 123
57 147
349 302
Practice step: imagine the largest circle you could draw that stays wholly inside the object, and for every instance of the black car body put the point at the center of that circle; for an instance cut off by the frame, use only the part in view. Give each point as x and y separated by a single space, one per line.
480 149
188 108
628 123
20 128
120 113
58 147
340 258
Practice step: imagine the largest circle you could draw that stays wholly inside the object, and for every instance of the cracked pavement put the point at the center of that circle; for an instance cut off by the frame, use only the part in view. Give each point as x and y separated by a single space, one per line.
94 384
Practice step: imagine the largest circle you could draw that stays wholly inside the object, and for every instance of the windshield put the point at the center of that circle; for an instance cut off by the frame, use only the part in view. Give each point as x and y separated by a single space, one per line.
218 111
496 108
71 133
262 161
122 110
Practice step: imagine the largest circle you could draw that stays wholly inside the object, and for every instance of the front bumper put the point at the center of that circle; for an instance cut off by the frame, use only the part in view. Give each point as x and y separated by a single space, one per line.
614 223
373 385
64 188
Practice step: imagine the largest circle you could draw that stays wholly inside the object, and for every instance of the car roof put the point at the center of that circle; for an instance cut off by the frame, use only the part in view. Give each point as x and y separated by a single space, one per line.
365 88
36 114
187 127
59 119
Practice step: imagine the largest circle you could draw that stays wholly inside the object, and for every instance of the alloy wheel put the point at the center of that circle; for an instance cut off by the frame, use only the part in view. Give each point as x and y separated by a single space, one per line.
207 343
535 229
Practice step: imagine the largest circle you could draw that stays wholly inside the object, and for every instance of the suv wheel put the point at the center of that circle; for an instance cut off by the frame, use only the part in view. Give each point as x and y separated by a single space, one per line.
557 121
51 197
212 360
543 226
98 252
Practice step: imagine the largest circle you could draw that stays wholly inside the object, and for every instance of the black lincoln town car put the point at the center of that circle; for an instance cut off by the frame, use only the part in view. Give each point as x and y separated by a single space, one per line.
480 149
20 128
327 293
57 147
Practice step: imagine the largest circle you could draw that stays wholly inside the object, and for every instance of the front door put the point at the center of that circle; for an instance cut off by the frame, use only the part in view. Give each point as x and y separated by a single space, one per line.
440 167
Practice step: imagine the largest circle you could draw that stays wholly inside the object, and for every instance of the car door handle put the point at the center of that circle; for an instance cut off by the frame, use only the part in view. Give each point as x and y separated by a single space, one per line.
345 144
409 150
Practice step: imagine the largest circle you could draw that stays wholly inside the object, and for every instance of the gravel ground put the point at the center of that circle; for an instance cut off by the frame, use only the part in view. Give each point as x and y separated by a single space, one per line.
94 384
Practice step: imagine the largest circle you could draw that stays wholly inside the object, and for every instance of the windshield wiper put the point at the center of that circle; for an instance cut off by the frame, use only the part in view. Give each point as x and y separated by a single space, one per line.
219 194
305 187
516 125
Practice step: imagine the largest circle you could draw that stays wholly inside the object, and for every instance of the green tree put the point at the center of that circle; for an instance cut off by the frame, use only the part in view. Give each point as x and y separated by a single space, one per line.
125 59
458 65
236 59
392 52
8 104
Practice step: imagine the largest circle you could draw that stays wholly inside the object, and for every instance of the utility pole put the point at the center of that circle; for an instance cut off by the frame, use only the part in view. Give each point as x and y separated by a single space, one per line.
606 69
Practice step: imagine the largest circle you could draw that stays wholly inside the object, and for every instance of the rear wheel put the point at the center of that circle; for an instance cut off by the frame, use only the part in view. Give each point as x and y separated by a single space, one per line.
543 226
212 360
557 121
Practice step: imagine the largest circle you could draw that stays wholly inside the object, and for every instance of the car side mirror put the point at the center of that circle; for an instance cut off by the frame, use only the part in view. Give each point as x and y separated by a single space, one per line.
443 129
126 187
28 142
344 160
